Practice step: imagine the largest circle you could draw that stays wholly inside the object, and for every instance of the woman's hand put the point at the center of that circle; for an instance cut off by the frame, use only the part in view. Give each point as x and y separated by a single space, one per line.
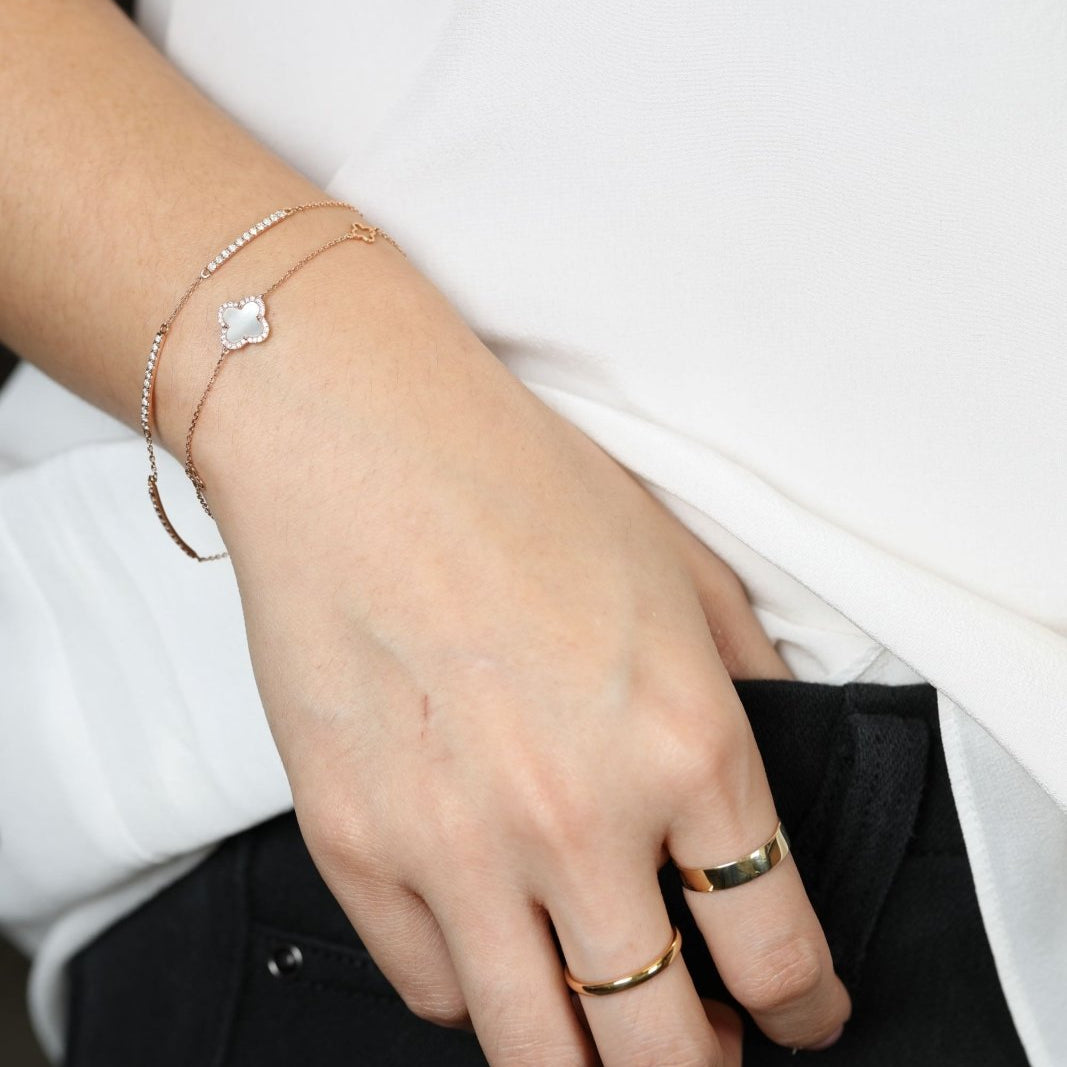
496 669
498 672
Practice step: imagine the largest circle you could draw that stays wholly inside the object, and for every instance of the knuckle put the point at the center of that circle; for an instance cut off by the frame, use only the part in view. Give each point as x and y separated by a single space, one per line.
443 1007
552 814
346 849
786 973
332 838
701 745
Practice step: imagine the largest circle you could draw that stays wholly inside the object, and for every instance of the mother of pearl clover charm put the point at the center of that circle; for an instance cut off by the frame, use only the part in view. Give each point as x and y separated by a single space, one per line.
243 322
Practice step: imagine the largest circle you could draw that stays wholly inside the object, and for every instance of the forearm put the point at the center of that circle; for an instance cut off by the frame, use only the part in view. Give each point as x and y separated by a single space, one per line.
117 181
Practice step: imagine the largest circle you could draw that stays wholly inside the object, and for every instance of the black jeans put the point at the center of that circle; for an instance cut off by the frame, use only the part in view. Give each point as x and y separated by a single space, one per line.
249 962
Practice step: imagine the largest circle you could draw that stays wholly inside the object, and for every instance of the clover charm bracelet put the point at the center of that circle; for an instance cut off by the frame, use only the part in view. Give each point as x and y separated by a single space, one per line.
244 322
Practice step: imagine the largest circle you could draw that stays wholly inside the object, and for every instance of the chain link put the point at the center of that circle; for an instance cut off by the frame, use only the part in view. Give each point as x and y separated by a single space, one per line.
152 365
358 231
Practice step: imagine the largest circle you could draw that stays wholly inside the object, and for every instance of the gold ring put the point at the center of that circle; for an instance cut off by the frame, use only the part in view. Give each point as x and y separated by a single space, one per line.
627 981
728 875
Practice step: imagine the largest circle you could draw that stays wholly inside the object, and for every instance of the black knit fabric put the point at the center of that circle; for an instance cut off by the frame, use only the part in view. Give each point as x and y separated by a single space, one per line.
248 961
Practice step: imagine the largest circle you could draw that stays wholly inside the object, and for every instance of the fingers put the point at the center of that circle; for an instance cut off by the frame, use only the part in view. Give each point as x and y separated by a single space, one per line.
509 971
764 935
740 640
771 954
728 1029
618 930
402 935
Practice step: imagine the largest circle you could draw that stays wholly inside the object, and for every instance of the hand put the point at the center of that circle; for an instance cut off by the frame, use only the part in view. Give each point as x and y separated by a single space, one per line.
498 673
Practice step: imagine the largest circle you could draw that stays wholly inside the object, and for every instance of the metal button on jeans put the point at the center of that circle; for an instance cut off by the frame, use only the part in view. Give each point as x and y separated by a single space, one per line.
285 961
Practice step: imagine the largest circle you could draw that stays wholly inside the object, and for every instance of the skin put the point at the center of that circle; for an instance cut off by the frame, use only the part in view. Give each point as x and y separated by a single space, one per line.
497 670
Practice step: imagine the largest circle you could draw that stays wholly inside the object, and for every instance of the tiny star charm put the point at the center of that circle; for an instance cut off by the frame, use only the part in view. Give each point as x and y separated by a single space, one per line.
243 322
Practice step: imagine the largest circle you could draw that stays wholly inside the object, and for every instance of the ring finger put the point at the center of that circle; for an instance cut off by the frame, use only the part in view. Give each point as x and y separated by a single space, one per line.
608 936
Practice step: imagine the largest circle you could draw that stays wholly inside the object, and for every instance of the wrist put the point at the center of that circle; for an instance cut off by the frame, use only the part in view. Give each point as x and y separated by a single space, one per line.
193 341
361 355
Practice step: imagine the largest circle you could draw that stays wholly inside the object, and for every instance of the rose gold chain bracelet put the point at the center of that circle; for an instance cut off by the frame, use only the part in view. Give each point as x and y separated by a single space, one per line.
152 364
244 322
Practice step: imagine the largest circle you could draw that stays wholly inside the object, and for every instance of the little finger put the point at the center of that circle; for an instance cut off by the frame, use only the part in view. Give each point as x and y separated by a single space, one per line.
401 933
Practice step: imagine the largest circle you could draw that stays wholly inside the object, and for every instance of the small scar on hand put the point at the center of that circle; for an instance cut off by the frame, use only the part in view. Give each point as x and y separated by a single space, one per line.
425 716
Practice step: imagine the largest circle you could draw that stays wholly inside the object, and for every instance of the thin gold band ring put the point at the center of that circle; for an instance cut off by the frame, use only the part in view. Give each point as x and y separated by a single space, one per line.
627 981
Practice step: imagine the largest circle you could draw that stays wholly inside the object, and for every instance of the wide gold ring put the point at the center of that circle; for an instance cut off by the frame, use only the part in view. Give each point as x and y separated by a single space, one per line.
728 875
627 981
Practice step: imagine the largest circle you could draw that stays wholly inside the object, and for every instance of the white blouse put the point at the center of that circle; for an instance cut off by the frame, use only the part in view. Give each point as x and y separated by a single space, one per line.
803 269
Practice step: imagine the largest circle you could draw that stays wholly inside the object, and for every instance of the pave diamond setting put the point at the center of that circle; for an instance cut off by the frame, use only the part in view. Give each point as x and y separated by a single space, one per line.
243 322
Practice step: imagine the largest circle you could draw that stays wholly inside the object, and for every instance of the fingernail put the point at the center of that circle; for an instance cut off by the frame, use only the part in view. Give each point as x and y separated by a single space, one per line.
831 1040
